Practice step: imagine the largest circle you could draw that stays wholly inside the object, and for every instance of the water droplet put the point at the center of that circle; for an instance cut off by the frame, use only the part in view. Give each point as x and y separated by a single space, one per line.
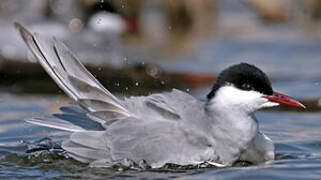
152 71
76 25
137 83
120 169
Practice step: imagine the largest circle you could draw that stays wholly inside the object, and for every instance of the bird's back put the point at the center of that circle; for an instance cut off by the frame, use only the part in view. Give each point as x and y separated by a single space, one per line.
168 106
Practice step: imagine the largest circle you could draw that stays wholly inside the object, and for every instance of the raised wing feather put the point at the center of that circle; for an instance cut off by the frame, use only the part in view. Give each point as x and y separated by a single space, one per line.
73 78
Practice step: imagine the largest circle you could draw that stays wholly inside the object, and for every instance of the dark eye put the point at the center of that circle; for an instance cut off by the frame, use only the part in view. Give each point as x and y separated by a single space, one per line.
247 87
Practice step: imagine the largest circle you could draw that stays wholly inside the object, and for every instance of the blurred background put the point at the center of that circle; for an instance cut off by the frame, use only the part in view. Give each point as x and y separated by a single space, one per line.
137 47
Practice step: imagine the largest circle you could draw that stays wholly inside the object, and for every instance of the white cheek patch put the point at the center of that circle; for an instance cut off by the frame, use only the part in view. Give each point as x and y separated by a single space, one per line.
236 96
250 101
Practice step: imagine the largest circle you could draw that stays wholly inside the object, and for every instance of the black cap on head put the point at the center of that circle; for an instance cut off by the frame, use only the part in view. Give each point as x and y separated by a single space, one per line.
243 76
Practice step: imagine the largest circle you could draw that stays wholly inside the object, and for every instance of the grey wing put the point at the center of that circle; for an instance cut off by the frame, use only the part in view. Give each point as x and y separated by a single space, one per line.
157 142
174 105
73 78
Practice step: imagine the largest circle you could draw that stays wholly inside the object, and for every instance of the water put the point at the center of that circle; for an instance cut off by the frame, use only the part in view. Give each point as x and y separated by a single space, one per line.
296 136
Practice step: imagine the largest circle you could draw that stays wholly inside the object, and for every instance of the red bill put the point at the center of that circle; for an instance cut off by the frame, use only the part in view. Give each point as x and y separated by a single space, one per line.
283 99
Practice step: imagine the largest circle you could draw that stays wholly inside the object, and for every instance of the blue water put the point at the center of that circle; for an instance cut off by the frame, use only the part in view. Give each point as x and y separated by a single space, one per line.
296 135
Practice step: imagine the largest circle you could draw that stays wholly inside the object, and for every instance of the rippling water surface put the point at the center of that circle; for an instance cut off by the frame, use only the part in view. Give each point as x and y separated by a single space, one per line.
297 137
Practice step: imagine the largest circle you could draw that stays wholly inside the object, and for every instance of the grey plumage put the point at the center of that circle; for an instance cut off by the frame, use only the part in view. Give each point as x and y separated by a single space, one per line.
170 127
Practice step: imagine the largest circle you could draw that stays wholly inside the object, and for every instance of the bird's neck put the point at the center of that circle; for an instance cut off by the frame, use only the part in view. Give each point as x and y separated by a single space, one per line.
232 129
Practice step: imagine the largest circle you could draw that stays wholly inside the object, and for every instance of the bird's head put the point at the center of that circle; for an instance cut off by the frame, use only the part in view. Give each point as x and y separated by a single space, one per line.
247 88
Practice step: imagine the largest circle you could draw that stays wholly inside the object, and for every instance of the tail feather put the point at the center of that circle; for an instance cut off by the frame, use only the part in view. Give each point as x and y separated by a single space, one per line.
73 119
56 123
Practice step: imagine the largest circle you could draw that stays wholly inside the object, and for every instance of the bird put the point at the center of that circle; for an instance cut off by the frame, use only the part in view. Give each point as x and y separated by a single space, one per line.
163 128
